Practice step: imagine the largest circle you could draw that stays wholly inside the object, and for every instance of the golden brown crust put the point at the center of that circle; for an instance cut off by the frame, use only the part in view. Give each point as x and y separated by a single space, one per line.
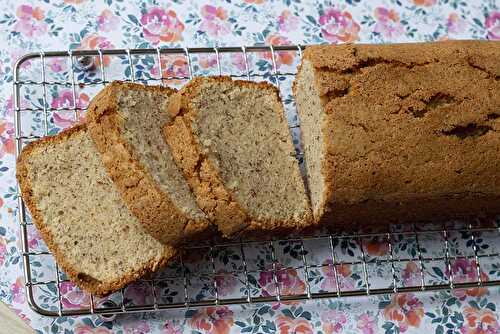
84 281
143 196
212 196
425 149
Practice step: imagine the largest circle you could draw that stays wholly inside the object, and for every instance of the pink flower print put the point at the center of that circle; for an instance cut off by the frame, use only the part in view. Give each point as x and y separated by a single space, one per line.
86 329
424 3
376 247
172 66
226 282
15 54
455 24
333 321
57 64
366 324
281 57
287 21
288 279
492 24
159 25
337 26
479 321
388 24
3 249
214 21
238 60
465 270
257 2
107 21
64 99
207 61
343 274
72 296
94 41
170 328
30 21
17 290
34 238
7 143
136 327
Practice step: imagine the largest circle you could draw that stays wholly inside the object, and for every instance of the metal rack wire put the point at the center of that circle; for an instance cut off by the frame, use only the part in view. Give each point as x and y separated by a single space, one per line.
311 261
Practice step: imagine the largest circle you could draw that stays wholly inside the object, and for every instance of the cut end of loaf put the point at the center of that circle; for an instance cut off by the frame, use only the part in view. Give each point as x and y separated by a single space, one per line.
309 109
243 165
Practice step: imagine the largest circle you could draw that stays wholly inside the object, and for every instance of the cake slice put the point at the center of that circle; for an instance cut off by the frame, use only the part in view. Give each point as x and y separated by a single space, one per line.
125 121
401 132
232 142
81 216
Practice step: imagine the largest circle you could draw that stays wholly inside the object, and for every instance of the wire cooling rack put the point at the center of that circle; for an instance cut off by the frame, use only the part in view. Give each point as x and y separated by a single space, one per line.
52 91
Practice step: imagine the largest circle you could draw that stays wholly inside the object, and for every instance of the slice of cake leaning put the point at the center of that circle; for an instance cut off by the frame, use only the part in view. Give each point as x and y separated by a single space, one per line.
126 122
232 142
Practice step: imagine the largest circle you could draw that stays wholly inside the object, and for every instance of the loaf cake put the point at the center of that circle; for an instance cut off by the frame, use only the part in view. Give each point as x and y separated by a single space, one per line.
403 132
125 121
232 142
82 217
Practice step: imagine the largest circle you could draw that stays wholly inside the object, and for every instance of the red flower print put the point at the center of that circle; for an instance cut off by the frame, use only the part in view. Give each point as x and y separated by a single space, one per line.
343 274
173 66
406 310
107 21
94 41
465 270
287 21
333 321
288 325
479 321
72 296
214 21
376 247
492 24
337 26
30 21
282 57
161 26
7 143
425 3
213 320
388 24
288 280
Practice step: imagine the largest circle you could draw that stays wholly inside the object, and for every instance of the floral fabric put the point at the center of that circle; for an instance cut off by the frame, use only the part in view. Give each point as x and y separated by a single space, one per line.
29 26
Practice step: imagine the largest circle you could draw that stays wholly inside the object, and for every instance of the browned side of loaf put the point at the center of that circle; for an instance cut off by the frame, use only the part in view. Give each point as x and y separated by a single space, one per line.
412 131
83 281
143 196
212 196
